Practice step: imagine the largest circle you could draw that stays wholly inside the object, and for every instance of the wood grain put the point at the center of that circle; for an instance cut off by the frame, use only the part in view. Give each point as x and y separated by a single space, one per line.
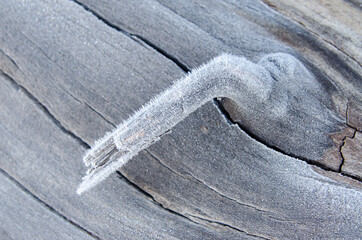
24 217
71 71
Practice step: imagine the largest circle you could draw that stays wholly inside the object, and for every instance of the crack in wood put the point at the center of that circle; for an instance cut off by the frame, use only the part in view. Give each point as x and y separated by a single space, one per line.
207 186
341 151
355 129
53 210
44 109
151 198
228 226
100 114
143 40
164 53
253 136
185 216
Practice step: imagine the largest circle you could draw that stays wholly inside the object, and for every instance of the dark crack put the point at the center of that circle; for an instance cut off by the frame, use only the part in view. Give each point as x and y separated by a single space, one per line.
260 140
44 109
24 189
230 198
164 53
10 59
150 197
99 114
89 106
187 216
343 142
228 226
339 49
341 152
340 169
132 35
135 186
207 186
102 19
222 195
164 165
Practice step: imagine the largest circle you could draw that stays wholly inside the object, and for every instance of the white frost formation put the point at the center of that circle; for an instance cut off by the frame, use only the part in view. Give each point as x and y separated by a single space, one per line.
224 76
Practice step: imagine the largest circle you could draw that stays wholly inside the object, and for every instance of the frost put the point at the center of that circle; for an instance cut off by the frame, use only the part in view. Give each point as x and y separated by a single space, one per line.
224 76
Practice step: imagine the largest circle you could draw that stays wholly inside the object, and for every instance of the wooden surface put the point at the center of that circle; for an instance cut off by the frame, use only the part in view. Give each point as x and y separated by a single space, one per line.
72 70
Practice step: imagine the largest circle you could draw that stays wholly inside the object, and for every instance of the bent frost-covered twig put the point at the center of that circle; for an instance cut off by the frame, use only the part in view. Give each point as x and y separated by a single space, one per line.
224 76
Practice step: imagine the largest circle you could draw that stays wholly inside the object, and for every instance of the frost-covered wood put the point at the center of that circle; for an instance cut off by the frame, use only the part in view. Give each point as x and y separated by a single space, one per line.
68 77
279 87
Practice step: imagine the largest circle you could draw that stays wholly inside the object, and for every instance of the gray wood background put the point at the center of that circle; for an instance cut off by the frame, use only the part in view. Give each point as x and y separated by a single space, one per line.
72 70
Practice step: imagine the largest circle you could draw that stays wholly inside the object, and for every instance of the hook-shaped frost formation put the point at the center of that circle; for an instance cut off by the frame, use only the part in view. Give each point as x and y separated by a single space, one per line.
224 76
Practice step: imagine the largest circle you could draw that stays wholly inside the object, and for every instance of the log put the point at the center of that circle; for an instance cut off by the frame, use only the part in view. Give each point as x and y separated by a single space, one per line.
72 71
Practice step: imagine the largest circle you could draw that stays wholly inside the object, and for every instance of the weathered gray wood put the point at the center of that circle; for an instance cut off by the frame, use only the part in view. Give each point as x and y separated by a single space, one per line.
23 217
88 68
90 76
